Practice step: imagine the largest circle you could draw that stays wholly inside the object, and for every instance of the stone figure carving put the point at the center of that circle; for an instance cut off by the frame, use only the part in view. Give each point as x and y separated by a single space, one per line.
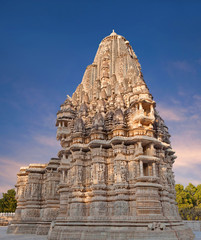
101 172
79 125
156 226
163 175
121 208
123 171
132 170
79 174
98 122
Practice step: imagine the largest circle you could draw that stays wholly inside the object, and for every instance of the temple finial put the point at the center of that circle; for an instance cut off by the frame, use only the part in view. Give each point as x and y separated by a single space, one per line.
113 33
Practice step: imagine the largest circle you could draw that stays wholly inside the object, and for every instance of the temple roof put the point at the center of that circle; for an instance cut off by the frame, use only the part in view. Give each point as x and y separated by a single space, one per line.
112 93
115 70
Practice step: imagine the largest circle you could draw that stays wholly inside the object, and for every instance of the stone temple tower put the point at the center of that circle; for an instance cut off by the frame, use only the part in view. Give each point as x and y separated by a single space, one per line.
113 177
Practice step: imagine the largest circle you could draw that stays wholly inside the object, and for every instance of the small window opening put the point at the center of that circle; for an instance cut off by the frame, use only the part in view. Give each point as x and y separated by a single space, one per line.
147 169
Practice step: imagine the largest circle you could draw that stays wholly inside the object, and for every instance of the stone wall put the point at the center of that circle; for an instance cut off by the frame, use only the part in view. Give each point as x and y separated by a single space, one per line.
38 202
194 225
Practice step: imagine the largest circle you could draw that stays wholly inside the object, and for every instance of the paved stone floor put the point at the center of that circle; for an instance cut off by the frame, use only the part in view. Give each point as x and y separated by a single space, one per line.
4 235
197 235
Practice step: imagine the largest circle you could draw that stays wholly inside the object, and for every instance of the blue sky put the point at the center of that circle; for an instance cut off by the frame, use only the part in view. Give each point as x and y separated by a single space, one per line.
45 47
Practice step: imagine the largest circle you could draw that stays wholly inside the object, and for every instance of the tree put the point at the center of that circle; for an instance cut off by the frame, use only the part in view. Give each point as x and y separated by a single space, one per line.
189 201
183 197
8 203
198 196
191 190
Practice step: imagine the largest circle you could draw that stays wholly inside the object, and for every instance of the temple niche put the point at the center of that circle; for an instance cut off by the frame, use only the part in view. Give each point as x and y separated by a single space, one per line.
113 177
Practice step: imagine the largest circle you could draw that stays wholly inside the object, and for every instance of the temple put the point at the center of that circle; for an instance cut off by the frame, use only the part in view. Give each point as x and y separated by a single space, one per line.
113 177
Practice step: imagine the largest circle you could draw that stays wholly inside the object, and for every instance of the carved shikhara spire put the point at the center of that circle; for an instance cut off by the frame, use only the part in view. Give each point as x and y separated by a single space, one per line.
114 73
113 178
112 90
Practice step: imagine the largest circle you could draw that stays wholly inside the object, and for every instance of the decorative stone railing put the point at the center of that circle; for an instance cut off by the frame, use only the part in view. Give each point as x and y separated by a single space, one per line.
140 115
142 132
147 178
66 114
6 217
7 214
63 130
194 225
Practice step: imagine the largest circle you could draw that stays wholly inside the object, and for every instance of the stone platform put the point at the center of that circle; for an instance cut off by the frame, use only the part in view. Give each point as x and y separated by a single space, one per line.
121 231
5 236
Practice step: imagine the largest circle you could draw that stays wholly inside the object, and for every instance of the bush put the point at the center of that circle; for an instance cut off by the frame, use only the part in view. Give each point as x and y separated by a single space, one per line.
189 201
8 203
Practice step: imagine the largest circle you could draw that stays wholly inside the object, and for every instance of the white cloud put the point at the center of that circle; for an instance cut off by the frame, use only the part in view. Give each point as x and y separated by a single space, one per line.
184 123
5 188
38 149
197 98
184 66
199 61
48 141
9 168
170 114
8 173
188 150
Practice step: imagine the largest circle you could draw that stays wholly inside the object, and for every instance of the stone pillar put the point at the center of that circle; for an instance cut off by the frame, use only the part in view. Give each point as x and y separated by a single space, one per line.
30 213
76 204
63 186
140 106
154 169
51 198
141 169
98 204
22 178
121 199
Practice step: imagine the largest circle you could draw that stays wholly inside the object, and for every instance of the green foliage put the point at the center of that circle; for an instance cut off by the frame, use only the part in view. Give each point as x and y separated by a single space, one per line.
198 196
189 201
8 203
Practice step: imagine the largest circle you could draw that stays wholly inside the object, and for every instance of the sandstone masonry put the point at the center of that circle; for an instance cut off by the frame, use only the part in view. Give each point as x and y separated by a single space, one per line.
113 177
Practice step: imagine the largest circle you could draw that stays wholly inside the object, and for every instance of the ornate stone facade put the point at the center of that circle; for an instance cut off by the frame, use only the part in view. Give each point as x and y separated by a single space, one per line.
113 178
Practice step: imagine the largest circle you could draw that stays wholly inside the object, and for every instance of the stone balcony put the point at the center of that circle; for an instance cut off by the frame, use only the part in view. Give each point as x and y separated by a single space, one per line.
66 113
146 158
63 130
143 117
147 179
140 132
